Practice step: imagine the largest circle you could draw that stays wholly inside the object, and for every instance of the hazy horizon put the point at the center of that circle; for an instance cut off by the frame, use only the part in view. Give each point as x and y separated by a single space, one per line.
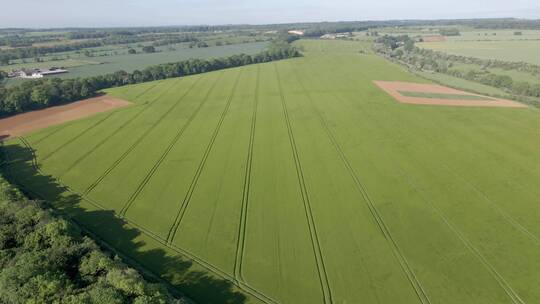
127 13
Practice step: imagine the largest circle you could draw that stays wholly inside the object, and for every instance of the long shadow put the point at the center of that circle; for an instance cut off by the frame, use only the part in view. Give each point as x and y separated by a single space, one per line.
19 168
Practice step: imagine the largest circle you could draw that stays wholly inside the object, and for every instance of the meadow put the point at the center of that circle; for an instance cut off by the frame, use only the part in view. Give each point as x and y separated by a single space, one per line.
300 181
506 50
82 66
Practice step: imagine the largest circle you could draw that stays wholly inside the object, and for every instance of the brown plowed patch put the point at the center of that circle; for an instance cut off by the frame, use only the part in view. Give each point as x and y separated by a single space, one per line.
31 121
394 87
434 38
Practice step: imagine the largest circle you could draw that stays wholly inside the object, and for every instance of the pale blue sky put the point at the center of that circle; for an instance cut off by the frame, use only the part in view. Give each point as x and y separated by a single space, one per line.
88 13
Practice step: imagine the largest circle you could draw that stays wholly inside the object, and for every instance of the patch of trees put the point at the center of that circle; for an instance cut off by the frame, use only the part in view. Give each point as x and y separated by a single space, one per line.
31 52
158 39
504 82
504 23
106 38
393 42
449 32
86 35
318 32
484 63
149 49
198 44
175 40
46 259
22 41
46 92
425 59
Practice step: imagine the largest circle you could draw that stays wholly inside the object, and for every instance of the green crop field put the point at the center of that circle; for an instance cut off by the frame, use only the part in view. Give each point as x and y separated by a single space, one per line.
81 66
527 51
300 181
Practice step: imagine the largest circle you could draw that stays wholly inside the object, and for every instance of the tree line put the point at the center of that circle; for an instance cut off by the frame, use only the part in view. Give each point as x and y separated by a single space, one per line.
402 50
46 92
30 52
46 259
7 55
21 40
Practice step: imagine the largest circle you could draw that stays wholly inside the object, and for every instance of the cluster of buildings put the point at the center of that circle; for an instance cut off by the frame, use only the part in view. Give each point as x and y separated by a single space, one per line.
36 73
326 36
296 32
336 36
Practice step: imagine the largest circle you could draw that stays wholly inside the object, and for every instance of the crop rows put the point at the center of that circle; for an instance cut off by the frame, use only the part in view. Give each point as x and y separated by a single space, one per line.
301 182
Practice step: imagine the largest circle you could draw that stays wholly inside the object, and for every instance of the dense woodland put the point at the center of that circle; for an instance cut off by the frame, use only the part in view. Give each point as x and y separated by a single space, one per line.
46 259
47 92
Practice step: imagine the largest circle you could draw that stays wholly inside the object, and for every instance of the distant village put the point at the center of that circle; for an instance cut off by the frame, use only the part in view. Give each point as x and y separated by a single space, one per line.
36 73
325 36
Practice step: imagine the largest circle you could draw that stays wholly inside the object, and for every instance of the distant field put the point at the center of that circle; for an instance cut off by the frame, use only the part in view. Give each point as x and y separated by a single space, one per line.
461 83
300 181
466 33
516 75
68 63
496 35
94 66
527 51
130 63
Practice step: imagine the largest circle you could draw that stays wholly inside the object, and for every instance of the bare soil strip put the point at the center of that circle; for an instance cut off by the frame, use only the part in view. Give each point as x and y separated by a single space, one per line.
25 123
393 88
434 38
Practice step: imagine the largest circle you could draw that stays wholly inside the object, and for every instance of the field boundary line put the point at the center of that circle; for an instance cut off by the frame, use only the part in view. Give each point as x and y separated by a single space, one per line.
58 129
166 152
240 244
61 127
497 276
514 296
187 198
137 141
405 266
32 153
515 223
104 140
206 265
74 138
316 247
508 217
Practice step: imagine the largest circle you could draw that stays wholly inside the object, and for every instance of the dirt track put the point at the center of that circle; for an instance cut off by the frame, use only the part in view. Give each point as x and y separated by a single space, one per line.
393 88
31 121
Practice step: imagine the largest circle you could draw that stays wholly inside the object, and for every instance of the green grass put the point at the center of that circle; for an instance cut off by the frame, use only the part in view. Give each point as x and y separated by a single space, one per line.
101 65
67 63
443 96
461 83
496 35
300 181
527 51
515 74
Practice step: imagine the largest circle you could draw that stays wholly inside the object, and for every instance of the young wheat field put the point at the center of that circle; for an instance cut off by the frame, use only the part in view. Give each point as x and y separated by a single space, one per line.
300 181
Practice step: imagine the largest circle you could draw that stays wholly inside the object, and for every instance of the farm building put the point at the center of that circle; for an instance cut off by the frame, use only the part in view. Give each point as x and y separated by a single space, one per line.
335 36
296 32
36 73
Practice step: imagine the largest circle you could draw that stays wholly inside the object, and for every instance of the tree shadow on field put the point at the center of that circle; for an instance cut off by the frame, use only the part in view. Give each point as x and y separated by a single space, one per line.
19 168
